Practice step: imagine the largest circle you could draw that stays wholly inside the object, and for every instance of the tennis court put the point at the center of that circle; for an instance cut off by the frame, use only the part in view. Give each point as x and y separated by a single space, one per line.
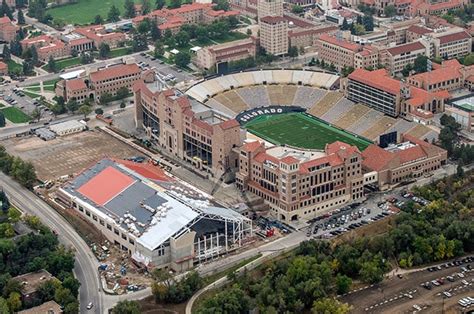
301 130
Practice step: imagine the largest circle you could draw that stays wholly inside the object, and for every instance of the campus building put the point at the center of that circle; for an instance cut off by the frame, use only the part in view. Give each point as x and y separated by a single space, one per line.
378 90
396 58
301 184
306 37
462 110
98 34
7 29
103 80
159 222
411 159
269 8
345 54
46 47
208 57
449 75
274 35
195 13
3 68
186 129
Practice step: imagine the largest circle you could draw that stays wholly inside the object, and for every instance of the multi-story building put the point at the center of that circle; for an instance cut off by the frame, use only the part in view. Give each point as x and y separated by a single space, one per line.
306 37
236 50
46 47
274 35
7 29
98 35
195 13
269 8
378 90
160 222
449 75
452 43
407 161
299 184
396 58
186 129
101 81
462 110
345 54
416 32
429 7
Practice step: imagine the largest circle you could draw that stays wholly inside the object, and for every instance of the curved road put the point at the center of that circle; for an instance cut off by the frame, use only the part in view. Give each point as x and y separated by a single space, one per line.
85 267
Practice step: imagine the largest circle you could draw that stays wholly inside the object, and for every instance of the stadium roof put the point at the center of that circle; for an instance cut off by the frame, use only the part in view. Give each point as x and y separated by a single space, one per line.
149 211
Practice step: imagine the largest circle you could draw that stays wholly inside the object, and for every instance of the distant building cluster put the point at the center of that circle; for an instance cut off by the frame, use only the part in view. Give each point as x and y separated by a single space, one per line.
195 13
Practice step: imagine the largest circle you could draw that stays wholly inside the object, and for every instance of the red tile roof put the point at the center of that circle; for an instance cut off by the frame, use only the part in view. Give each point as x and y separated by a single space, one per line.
340 42
145 169
405 48
251 146
272 19
289 160
454 37
3 66
105 185
4 20
262 157
376 158
342 149
75 84
378 79
115 71
418 30
312 31
228 124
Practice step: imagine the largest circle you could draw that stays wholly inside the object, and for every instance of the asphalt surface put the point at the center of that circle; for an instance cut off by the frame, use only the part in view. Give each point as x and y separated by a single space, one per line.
403 293
86 264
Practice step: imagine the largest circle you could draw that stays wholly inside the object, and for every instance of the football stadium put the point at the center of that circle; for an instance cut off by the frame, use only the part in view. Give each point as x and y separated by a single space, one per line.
329 115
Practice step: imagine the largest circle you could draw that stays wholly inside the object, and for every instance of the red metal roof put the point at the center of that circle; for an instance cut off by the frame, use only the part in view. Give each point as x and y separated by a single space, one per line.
115 71
454 37
105 185
378 79
146 169
340 42
406 48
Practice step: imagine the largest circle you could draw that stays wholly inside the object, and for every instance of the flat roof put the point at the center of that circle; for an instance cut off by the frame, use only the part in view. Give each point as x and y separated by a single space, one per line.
466 104
71 75
66 125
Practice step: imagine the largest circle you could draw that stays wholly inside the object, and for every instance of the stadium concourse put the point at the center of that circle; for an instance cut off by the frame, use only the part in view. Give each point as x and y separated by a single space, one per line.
314 91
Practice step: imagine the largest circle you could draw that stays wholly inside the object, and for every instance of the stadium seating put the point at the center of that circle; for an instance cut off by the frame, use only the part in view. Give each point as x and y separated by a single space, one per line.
307 96
401 127
232 100
244 78
214 104
378 127
282 76
326 103
353 115
255 96
363 124
419 131
340 108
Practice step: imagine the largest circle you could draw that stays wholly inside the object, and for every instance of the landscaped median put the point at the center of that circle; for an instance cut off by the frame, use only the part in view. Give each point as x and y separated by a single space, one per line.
15 115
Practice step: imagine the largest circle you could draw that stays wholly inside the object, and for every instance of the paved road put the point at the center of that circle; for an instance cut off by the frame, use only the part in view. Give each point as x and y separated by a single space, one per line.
85 267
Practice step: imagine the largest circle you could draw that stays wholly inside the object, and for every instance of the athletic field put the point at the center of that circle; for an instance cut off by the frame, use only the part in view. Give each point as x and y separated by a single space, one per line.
301 130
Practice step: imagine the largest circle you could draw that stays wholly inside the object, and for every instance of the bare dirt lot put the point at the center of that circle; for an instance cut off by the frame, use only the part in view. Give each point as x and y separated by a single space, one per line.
69 154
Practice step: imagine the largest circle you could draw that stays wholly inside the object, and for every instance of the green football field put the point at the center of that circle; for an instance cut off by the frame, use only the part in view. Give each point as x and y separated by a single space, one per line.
301 130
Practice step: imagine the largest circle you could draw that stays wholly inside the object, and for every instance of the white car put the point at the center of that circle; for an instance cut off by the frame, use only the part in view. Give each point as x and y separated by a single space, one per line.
90 305
446 293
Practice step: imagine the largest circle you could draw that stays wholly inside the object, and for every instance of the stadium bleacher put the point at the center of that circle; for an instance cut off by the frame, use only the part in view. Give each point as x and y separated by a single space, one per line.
351 116
378 127
340 108
326 103
369 119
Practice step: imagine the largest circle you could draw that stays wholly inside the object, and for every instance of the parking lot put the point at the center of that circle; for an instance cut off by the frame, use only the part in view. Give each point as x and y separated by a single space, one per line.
420 291
162 68
68 154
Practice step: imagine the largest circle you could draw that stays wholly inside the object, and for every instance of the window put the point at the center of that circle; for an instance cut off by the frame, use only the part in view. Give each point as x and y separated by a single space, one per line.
131 241
116 231
101 222
124 236
109 227
88 213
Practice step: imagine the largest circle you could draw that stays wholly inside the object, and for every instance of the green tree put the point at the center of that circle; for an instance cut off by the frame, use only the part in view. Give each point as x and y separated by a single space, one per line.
390 10
14 301
293 52
330 306
370 272
159 49
358 29
146 7
144 27
21 17
139 43
4 306
47 289
174 4
159 4
127 307
469 59
104 50
114 14
98 20
5 10
63 296
72 307
345 25
182 39
72 284
122 93
343 283
221 5
6 53
420 64
368 22
182 59
154 31
99 111
72 105
85 110
2 120
129 7
52 67
231 300
297 9
105 99
36 114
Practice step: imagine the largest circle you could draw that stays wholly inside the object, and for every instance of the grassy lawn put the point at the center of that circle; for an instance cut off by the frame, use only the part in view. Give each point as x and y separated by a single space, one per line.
51 82
114 53
15 115
301 130
14 67
64 63
36 88
30 94
231 36
84 11
49 88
